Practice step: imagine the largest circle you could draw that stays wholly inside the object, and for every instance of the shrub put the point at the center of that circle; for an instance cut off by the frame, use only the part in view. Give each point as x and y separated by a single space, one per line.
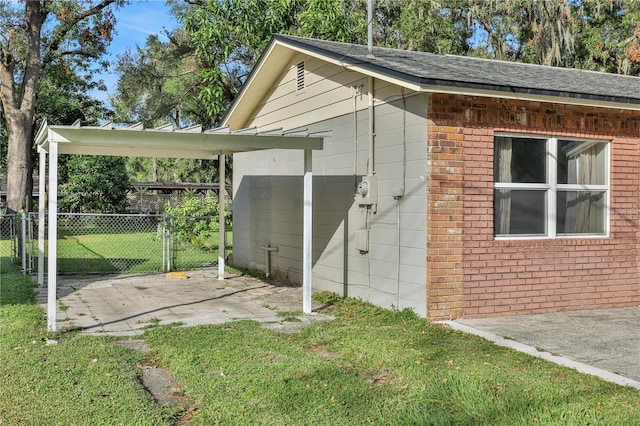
195 221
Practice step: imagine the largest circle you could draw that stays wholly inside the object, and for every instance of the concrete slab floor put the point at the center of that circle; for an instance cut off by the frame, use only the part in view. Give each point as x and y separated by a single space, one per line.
605 340
124 305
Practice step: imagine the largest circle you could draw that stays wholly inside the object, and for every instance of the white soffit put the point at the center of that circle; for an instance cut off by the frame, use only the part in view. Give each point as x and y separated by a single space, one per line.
163 142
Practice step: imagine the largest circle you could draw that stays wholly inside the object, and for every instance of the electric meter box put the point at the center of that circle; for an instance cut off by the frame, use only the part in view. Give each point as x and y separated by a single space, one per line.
367 191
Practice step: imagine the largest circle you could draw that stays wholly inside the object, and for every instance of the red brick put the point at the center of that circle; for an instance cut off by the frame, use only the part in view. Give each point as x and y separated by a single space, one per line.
470 273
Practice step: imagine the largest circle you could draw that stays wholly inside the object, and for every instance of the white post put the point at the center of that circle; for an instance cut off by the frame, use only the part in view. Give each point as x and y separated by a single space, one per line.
53 236
221 203
41 210
307 236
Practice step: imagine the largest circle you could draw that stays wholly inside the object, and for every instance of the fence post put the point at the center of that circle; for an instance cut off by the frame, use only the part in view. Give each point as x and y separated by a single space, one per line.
166 245
170 262
164 249
30 243
14 237
165 255
23 236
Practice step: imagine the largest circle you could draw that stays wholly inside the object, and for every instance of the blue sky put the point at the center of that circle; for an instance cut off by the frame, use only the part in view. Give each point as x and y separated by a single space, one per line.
135 22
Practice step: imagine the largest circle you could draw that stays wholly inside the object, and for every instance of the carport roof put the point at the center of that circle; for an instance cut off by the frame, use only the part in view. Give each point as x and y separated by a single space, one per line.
192 142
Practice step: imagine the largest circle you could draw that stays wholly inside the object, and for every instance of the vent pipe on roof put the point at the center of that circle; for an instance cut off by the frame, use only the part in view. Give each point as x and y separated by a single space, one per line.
370 27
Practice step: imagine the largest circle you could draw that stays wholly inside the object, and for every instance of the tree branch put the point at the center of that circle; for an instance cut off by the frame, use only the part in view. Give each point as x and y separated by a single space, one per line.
7 85
78 52
67 25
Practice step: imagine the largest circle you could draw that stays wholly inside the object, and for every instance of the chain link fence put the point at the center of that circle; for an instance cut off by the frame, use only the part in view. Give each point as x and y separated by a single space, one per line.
8 238
116 243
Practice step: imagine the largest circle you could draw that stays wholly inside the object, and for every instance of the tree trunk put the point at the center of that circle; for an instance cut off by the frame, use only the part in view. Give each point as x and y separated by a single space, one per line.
154 173
20 132
18 102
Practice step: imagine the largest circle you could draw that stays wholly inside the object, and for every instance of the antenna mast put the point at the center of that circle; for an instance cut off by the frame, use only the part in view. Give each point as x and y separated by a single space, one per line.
370 26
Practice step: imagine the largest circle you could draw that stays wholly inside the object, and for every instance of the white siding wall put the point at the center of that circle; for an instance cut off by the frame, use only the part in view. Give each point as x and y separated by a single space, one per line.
268 189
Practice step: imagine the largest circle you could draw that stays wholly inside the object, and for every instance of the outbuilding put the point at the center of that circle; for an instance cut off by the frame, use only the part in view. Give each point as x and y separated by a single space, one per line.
454 186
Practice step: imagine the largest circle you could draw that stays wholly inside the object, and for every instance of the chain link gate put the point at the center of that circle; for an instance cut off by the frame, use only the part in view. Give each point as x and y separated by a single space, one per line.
116 243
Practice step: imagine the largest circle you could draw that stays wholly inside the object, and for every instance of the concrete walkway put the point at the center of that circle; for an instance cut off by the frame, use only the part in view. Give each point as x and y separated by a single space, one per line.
124 305
604 342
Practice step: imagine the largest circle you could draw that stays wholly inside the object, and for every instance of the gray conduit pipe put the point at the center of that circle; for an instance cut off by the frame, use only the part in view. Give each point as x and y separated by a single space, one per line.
267 252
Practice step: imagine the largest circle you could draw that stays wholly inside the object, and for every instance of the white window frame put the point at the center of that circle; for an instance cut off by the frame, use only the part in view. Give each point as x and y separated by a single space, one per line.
552 188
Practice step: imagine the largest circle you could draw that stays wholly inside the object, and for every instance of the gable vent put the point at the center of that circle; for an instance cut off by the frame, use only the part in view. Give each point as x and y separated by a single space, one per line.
300 77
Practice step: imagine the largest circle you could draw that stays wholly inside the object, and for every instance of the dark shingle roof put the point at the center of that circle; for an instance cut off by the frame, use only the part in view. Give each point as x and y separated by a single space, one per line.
465 72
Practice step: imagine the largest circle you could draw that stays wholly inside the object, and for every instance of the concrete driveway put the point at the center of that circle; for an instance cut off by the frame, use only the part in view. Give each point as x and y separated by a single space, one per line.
125 304
604 342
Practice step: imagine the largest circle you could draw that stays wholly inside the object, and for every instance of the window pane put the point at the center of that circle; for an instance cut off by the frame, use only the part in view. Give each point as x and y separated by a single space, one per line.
520 160
519 212
581 212
582 163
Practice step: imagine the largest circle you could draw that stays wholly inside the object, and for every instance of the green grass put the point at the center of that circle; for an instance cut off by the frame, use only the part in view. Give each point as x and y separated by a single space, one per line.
131 252
374 366
368 366
15 288
81 380
126 252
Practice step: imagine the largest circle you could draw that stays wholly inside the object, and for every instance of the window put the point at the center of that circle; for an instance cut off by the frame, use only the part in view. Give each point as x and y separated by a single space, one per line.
549 187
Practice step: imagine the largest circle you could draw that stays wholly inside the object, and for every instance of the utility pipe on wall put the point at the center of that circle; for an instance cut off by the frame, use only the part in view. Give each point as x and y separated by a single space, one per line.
371 168
267 252
355 130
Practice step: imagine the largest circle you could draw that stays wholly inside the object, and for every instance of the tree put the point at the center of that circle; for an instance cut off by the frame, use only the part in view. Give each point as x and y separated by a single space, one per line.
428 26
102 190
545 32
36 35
159 84
608 39
228 36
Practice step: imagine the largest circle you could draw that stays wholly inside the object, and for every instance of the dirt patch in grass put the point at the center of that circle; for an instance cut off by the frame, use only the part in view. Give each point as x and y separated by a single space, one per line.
161 385
136 345
164 388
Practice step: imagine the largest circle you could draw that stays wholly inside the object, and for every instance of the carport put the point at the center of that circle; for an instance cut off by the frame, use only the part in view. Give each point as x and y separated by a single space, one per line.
163 142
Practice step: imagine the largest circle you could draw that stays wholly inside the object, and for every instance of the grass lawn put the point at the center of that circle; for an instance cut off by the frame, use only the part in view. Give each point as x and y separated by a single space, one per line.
369 366
80 381
128 252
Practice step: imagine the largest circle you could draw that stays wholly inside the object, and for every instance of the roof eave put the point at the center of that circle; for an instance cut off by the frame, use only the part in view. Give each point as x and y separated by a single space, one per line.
271 62
139 142
523 94
281 48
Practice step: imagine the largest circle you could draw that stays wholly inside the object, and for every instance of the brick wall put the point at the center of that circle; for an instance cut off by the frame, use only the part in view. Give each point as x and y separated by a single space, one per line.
471 274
